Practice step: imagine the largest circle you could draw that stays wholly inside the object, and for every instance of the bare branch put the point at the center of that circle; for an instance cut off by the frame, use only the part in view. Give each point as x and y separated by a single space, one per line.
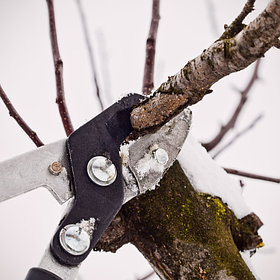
222 58
212 16
237 25
231 123
147 276
242 132
58 66
148 80
251 175
90 52
14 114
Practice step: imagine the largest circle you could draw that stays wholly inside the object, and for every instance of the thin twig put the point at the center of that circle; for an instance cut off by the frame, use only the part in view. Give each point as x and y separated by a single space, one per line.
147 276
237 25
148 80
90 53
212 17
239 134
231 123
14 114
58 66
251 175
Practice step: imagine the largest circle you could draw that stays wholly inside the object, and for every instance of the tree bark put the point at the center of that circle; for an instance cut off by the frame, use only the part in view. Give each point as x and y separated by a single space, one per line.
184 234
222 58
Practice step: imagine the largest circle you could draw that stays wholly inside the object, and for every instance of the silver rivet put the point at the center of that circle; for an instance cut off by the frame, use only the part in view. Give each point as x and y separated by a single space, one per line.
74 239
55 168
161 156
101 171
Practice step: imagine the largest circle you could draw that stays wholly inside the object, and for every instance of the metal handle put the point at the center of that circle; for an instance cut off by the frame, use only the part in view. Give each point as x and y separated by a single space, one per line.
41 274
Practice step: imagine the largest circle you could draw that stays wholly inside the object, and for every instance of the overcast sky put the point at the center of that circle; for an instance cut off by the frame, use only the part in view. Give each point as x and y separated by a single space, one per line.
118 31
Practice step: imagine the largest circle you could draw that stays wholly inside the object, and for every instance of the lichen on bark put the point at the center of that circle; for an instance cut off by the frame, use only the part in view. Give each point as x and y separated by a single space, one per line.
185 234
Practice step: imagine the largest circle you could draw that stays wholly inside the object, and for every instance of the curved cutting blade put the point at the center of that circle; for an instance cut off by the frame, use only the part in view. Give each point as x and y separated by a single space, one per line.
146 159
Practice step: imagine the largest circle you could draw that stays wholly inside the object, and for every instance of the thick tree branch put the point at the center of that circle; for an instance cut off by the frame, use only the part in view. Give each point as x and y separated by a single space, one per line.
148 80
58 66
222 58
195 236
232 121
242 132
90 53
14 114
252 175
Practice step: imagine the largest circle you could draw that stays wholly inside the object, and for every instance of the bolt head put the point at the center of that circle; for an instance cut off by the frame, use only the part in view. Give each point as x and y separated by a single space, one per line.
55 168
102 171
74 239
161 156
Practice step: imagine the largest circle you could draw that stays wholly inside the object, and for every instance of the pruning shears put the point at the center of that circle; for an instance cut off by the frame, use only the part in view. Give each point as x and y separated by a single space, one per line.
97 171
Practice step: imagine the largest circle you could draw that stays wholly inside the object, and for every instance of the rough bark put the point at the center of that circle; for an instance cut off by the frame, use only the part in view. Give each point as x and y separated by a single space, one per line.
184 234
222 58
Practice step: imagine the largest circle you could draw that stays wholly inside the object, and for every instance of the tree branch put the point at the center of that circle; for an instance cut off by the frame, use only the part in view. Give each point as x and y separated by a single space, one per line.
237 25
147 276
90 53
196 236
58 66
231 123
148 80
14 114
251 175
222 58
242 132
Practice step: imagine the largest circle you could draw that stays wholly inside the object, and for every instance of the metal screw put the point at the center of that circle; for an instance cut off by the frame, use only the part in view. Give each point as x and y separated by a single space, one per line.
161 156
101 171
74 239
55 168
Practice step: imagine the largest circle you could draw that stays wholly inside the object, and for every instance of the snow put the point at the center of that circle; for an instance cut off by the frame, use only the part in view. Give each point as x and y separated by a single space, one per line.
207 177
148 164
130 184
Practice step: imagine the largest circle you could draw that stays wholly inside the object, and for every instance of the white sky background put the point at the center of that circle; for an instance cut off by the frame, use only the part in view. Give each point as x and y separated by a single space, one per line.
118 30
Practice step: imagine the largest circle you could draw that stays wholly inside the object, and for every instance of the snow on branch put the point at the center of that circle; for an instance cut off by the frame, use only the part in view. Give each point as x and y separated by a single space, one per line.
222 58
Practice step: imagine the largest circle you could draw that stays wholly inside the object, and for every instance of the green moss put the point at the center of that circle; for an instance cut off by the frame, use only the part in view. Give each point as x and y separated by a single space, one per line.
193 218
228 48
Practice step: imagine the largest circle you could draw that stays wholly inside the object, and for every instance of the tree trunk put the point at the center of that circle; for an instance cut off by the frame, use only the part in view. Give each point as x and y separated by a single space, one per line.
184 234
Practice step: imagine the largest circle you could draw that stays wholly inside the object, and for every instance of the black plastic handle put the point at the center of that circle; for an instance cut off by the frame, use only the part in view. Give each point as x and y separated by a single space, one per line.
102 136
41 274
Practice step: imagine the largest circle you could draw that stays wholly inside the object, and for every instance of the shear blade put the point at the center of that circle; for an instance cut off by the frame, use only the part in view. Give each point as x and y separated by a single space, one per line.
142 169
31 170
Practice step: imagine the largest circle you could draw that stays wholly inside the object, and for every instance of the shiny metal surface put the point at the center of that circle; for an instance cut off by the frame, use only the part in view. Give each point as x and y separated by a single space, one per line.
142 170
31 170
49 263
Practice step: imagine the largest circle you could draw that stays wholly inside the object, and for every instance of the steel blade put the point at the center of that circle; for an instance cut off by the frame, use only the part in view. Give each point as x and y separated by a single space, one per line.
146 159
31 170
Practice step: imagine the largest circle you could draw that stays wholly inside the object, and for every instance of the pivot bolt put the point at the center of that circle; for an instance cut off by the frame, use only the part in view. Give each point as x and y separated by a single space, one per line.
161 156
74 239
55 168
102 171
